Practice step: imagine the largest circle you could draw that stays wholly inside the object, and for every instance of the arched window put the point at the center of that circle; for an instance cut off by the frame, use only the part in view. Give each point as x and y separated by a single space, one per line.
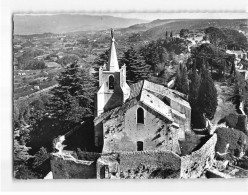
111 82
140 115
139 146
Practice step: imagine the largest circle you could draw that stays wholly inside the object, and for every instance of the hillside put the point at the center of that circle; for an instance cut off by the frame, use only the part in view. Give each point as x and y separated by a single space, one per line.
146 26
62 23
157 28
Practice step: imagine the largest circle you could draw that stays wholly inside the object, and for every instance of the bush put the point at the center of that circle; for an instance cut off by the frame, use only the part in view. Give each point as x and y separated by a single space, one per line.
231 120
237 121
236 139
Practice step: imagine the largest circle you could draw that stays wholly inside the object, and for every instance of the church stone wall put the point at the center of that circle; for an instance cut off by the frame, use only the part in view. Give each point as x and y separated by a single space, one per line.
122 133
144 164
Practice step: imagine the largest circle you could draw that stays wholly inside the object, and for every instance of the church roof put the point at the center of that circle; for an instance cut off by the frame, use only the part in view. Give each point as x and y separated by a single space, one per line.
135 89
113 62
166 92
156 104
159 91
147 99
151 95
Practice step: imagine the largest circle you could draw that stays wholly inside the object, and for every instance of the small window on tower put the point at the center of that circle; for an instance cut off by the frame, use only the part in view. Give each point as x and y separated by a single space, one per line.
111 82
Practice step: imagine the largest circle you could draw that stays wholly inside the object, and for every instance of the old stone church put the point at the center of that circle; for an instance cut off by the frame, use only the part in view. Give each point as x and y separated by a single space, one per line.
143 116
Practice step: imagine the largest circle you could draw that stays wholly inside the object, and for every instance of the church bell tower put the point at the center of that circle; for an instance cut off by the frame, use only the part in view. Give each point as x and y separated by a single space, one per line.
113 89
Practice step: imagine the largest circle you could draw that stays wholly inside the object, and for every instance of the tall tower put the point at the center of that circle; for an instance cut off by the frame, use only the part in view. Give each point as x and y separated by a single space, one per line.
113 89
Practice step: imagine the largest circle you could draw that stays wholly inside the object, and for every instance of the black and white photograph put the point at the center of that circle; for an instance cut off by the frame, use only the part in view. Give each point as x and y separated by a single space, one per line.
104 97
128 95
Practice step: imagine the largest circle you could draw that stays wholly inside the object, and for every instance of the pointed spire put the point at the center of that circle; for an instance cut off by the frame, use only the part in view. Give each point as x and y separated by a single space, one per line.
113 62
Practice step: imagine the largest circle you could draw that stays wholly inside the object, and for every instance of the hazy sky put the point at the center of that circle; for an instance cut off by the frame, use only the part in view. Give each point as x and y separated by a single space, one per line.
157 15
173 15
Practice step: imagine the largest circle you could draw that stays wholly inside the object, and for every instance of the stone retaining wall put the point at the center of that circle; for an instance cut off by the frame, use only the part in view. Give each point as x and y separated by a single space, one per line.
72 169
193 165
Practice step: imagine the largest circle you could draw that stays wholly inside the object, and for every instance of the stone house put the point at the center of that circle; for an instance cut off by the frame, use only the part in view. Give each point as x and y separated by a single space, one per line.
143 116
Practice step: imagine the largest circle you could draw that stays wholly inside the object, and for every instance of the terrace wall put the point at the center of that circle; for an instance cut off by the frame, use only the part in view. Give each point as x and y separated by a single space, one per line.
193 165
72 169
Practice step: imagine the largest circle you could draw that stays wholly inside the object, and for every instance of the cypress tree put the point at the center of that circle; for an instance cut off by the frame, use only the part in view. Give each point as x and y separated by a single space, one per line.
207 96
181 82
194 85
136 67
195 81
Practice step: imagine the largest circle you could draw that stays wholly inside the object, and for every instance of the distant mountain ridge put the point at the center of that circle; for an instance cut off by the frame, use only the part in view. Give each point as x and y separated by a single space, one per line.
63 23
157 28
147 26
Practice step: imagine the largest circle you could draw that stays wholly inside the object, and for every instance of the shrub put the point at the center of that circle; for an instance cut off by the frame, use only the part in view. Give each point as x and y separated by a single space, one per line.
231 120
236 139
237 121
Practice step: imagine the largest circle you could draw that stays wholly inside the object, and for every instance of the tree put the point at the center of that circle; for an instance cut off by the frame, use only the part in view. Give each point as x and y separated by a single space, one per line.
207 95
136 67
73 99
171 35
100 61
239 91
195 81
181 82
21 156
166 34
184 33
216 36
68 59
236 140
35 65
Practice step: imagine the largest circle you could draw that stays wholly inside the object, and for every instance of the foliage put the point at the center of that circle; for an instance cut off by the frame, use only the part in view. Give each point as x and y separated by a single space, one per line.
240 91
135 37
27 58
235 39
41 156
216 36
68 59
21 156
20 149
154 53
181 82
184 33
73 98
195 81
136 67
100 61
207 95
231 120
229 38
216 58
236 139
35 65
43 120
